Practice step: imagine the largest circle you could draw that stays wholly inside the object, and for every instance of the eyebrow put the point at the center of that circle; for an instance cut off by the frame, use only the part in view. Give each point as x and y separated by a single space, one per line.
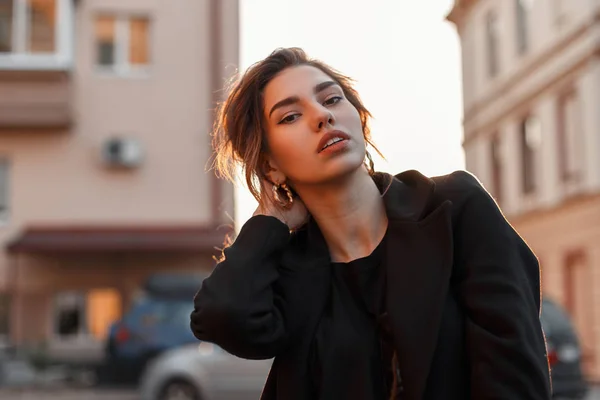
294 99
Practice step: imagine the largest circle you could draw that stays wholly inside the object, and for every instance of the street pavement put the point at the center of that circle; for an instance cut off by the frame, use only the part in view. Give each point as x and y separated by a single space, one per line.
67 394
71 394
594 394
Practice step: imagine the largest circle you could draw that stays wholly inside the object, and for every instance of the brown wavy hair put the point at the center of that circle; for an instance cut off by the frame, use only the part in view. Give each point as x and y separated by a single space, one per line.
239 136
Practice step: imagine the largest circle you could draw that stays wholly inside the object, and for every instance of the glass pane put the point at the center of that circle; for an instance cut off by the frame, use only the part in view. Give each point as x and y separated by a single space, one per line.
42 26
521 26
103 308
69 314
4 314
105 40
6 25
138 41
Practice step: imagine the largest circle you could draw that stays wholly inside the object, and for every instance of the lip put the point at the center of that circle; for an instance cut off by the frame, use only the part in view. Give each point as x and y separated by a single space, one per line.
331 135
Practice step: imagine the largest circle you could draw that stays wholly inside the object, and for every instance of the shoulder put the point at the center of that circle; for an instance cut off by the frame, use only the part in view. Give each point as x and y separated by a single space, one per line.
455 185
459 184
460 187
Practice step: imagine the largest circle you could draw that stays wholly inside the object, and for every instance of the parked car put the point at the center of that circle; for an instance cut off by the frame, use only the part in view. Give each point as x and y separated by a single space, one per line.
203 372
207 372
158 321
564 353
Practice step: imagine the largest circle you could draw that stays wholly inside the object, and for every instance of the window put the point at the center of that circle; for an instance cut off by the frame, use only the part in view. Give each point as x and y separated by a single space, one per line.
86 313
570 137
6 26
530 138
578 289
4 191
492 42
496 160
105 40
103 307
522 21
4 317
36 33
122 44
69 314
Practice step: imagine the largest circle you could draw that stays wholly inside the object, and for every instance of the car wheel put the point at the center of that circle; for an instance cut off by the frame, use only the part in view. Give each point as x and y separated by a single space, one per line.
179 390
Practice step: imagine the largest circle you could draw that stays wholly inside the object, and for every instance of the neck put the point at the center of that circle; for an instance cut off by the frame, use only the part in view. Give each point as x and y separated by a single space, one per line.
350 214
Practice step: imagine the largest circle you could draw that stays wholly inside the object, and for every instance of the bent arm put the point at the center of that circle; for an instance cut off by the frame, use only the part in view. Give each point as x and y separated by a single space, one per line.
236 306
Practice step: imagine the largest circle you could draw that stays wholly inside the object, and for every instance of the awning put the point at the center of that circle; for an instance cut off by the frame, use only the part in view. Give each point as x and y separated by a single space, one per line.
185 239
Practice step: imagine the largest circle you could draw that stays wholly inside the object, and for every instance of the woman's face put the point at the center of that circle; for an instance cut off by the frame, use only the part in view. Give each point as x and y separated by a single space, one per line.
314 133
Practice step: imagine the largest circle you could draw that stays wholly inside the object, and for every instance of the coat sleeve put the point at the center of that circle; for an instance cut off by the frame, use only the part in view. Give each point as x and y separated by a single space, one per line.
499 286
236 307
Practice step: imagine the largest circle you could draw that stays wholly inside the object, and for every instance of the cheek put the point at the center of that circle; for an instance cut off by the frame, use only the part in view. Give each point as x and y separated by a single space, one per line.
289 145
350 117
356 117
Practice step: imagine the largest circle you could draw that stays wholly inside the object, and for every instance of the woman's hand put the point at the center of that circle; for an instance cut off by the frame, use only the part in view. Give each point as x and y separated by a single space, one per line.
294 216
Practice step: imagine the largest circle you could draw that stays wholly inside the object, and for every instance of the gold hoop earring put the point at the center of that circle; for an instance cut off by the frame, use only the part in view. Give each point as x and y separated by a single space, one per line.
289 198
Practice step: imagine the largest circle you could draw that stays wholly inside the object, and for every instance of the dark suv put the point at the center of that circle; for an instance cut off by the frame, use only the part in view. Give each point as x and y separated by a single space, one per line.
564 353
157 321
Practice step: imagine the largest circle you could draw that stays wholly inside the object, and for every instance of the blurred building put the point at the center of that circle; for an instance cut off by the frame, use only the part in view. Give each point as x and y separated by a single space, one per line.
105 112
531 87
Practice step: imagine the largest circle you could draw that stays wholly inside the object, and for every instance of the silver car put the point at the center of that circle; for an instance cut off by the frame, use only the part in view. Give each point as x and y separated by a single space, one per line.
203 371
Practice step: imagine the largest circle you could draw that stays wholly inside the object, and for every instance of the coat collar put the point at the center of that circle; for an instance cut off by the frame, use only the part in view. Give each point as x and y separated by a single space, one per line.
418 264
407 198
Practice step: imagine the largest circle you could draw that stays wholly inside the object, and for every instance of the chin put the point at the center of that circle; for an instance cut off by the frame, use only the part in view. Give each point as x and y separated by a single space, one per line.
342 168
334 169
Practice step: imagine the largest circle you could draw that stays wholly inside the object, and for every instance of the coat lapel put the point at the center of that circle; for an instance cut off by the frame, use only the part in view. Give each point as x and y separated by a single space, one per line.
418 262
306 278
304 284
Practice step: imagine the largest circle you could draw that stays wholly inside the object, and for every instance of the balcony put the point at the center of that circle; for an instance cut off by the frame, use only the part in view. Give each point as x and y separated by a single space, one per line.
36 53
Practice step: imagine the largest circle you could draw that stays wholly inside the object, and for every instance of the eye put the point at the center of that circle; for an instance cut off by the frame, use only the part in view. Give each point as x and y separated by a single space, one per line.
332 100
289 119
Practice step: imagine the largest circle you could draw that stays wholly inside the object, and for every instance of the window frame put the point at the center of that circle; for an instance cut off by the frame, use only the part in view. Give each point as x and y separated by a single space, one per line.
122 67
570 136
60 59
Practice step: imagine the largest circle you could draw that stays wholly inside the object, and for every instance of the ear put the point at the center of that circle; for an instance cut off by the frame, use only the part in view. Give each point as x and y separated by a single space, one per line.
272 171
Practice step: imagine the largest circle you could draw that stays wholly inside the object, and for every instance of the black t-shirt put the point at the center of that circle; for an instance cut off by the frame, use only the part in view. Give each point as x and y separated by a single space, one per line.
352 354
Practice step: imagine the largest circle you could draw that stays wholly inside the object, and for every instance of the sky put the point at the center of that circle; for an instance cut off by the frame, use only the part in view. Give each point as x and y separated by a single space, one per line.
404 56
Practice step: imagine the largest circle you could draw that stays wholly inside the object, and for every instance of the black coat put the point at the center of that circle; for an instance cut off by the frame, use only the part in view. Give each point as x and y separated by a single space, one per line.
463 296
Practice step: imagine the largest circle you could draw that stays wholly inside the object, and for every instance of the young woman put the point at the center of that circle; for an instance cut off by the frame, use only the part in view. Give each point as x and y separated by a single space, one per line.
363 285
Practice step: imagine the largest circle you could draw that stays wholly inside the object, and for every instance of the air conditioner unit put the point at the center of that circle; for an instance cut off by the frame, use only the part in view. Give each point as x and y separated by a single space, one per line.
122 152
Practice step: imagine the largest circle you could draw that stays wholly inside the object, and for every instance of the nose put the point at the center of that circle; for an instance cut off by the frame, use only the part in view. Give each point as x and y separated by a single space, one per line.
324 117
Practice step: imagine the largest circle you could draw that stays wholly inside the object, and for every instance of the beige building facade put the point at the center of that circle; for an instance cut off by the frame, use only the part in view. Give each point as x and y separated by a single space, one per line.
106 108
531 94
